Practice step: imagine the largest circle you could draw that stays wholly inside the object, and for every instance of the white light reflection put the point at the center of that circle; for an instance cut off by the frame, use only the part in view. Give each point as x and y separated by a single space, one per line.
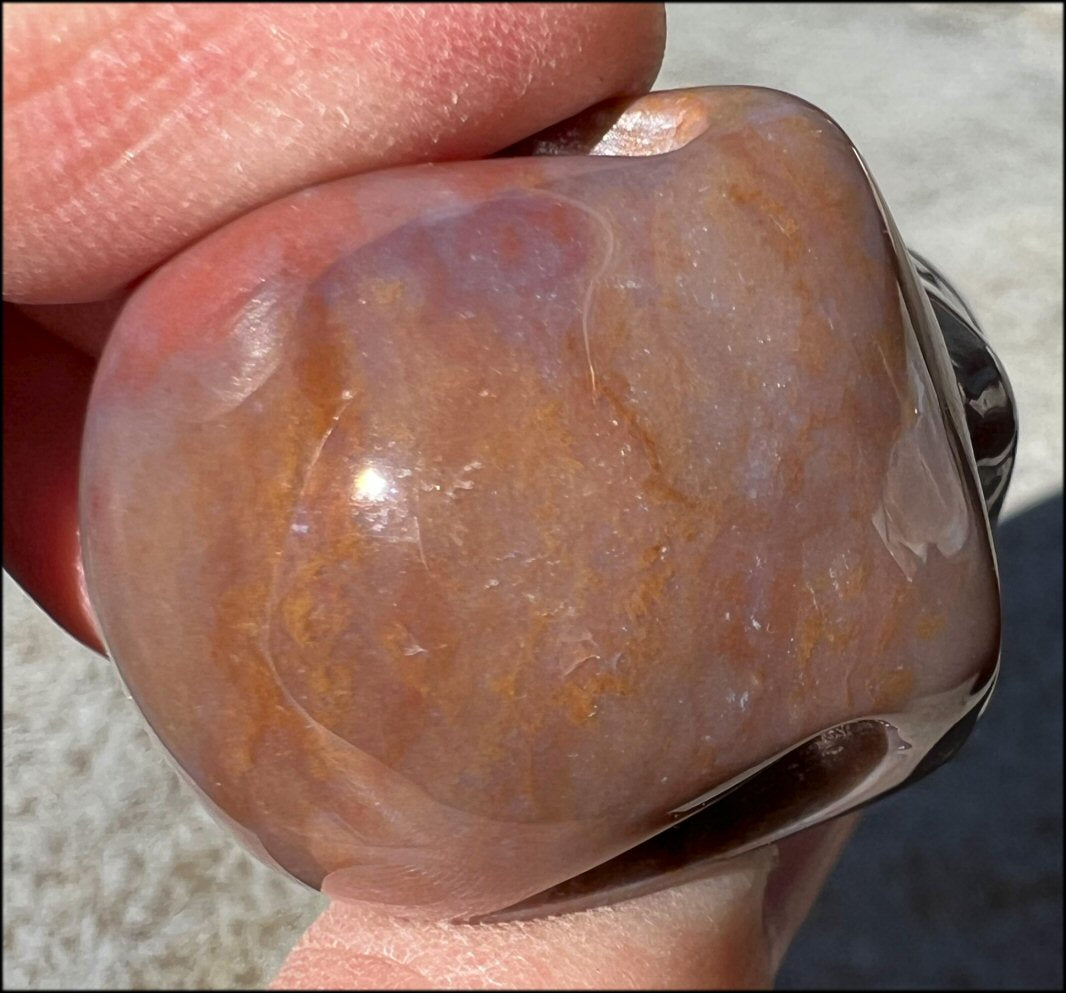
370 486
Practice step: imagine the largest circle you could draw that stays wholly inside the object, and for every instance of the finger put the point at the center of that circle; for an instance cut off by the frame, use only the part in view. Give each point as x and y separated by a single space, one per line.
46 390
702 935
109 72
727 931
86 326
164 121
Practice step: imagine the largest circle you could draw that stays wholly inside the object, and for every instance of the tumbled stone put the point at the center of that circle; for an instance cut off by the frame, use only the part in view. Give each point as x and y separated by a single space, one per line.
453 525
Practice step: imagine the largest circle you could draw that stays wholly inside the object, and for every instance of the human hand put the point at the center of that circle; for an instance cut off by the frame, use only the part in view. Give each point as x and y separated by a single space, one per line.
254 104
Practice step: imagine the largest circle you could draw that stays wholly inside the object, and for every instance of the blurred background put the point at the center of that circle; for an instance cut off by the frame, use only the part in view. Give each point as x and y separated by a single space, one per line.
114 877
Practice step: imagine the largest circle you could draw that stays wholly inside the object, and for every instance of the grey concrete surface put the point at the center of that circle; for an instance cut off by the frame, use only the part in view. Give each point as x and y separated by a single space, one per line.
115 878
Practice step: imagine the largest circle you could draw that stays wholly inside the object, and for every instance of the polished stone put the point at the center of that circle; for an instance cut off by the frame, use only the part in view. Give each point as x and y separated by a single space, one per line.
453 525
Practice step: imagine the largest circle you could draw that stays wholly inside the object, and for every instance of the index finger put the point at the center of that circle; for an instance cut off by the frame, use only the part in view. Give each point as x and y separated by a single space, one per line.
165 121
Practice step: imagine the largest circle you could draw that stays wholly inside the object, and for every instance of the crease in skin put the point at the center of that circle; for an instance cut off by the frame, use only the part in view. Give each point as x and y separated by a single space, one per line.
463 83
56 46
184 80
181 76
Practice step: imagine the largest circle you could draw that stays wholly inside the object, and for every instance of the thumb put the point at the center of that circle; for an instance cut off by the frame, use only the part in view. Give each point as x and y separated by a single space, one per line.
728 930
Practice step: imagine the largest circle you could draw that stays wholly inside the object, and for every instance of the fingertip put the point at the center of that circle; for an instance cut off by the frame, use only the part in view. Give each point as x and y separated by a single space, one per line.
706 934
165 122
727 930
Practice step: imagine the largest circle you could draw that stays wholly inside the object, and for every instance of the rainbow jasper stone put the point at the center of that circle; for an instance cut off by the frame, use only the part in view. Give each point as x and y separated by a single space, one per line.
459 528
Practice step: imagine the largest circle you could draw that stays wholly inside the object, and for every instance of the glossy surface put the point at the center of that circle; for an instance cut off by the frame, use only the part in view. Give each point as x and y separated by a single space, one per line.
456 526
987 397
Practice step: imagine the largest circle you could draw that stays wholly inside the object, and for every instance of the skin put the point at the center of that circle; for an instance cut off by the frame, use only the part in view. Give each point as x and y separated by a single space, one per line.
166 122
